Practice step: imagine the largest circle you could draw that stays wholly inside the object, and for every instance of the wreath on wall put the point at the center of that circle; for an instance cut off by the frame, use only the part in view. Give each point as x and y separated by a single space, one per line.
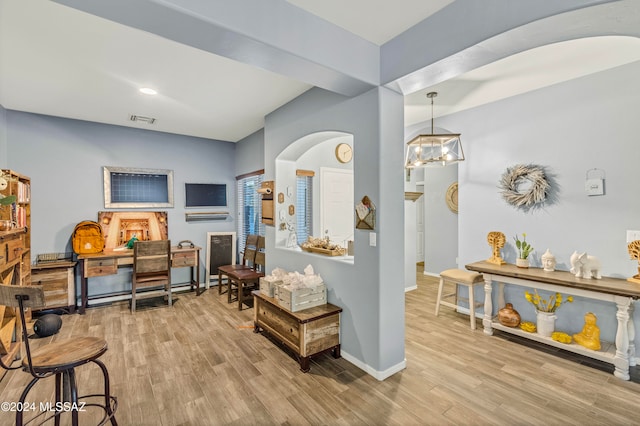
524 186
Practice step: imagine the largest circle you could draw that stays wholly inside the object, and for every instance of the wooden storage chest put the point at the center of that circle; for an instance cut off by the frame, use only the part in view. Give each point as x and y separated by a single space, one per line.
58 282
308 333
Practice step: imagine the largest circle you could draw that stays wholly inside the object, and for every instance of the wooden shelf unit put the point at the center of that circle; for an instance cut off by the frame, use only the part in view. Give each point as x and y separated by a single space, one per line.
15 263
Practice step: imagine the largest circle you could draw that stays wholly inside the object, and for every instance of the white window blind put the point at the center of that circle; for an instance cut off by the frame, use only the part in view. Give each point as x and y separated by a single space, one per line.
304 207
249 208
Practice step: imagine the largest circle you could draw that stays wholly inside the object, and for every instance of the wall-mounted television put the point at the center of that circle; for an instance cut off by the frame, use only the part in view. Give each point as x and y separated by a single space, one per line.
205 195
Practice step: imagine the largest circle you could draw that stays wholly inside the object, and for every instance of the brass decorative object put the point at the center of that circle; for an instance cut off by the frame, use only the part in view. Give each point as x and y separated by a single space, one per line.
508 316
634 251
496 240
451 197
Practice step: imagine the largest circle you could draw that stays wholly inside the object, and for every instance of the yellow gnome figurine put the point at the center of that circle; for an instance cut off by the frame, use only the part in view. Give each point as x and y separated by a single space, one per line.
589 337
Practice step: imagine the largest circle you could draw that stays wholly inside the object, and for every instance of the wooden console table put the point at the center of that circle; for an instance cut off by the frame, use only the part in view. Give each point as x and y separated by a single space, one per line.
619 291
308 332
107 263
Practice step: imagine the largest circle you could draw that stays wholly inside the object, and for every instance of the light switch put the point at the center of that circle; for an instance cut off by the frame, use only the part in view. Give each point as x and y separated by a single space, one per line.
372 239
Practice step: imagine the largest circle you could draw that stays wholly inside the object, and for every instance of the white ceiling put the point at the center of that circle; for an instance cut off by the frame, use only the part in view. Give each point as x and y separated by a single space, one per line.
59 61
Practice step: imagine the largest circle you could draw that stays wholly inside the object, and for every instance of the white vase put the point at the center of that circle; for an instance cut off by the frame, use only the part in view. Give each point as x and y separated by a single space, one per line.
522 263
546 323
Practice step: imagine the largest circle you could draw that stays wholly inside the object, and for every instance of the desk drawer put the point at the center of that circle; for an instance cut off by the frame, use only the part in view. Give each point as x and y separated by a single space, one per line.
57 285
180 260
100 267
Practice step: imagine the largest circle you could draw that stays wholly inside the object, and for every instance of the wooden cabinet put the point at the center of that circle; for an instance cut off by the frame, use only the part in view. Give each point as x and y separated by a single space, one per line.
58 282
308 333
15 252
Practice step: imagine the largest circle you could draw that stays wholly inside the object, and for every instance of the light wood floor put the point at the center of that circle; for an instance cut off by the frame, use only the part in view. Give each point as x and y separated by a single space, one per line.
199 363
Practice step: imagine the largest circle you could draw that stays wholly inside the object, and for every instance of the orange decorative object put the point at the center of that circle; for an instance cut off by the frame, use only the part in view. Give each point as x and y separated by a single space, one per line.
508 316
497 241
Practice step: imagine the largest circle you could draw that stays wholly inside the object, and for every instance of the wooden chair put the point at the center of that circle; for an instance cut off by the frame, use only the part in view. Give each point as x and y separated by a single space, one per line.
248 257
151 268
246 280
58 359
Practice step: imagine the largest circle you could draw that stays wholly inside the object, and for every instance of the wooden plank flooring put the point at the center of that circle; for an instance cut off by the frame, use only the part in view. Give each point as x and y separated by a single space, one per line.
199 363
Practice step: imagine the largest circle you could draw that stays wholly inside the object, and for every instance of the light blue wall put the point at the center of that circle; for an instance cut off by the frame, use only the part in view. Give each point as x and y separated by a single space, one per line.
371 291
64 159
569 128
250 153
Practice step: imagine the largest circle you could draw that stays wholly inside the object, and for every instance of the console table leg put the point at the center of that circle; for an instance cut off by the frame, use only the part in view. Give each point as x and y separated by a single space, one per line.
631 330
488 305
621 360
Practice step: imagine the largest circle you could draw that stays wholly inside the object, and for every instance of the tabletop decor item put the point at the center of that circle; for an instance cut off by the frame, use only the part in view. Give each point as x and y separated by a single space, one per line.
548 261
561 337
528 326
545 310
634 251
584 265
524 250
497 241
508 316
589 337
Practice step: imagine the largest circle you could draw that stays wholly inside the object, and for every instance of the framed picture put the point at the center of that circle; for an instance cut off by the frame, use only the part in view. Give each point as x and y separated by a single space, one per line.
126 187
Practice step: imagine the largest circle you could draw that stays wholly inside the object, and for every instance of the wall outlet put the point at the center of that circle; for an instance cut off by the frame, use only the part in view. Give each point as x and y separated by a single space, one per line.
372 239
632 236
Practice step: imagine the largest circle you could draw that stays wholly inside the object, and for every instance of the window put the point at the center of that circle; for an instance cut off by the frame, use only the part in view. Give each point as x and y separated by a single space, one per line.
249 207
304 205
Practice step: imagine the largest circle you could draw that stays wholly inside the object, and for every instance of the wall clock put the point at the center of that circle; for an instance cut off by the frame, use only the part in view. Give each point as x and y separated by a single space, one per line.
344 152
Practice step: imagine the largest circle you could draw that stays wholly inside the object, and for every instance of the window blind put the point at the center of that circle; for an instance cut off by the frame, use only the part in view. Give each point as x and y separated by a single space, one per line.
249 208
304 207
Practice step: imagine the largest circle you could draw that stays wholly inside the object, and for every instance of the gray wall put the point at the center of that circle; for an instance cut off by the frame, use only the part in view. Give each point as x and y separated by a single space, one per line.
371 290
64 159
3 138
569 128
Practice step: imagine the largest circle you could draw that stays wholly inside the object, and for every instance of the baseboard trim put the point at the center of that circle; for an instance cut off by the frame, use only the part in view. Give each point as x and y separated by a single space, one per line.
378 375
431 274
414 287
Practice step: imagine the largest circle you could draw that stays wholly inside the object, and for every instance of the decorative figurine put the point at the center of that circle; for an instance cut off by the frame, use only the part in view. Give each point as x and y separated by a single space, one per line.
589 337
585 266
497 241
548 261
132 241
634 252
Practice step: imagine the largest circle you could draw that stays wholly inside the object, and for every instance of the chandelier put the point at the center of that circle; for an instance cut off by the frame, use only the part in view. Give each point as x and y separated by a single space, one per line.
434 149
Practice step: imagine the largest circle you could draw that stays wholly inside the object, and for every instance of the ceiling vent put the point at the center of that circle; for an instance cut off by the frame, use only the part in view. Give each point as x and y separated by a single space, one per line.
142 119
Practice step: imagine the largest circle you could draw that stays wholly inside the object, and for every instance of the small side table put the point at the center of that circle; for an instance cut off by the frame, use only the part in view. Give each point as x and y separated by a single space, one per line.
58 282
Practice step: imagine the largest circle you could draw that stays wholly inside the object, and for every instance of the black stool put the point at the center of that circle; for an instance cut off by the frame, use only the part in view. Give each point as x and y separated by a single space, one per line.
59 359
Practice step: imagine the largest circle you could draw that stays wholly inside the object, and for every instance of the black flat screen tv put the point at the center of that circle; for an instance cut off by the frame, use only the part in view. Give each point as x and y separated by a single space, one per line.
205 195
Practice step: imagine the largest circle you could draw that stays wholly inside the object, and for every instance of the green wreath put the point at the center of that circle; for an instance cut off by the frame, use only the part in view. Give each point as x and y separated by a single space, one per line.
531 175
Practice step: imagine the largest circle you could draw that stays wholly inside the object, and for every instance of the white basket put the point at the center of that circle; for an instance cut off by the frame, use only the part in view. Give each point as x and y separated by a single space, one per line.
301 298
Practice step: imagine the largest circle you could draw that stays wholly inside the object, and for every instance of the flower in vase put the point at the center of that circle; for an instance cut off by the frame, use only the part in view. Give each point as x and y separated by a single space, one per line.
546 305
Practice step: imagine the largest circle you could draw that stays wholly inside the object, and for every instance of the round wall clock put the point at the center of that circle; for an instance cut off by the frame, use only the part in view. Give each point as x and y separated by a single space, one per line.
344 152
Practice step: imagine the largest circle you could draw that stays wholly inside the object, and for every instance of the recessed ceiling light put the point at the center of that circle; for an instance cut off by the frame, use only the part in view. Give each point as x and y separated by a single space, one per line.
148 91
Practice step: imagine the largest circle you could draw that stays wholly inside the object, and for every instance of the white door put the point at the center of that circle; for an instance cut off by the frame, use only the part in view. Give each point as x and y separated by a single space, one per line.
420 225
336 204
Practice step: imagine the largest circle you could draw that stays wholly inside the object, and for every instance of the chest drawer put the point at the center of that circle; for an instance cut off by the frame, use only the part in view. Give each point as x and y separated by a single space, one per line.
100 267
180 260
286 327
